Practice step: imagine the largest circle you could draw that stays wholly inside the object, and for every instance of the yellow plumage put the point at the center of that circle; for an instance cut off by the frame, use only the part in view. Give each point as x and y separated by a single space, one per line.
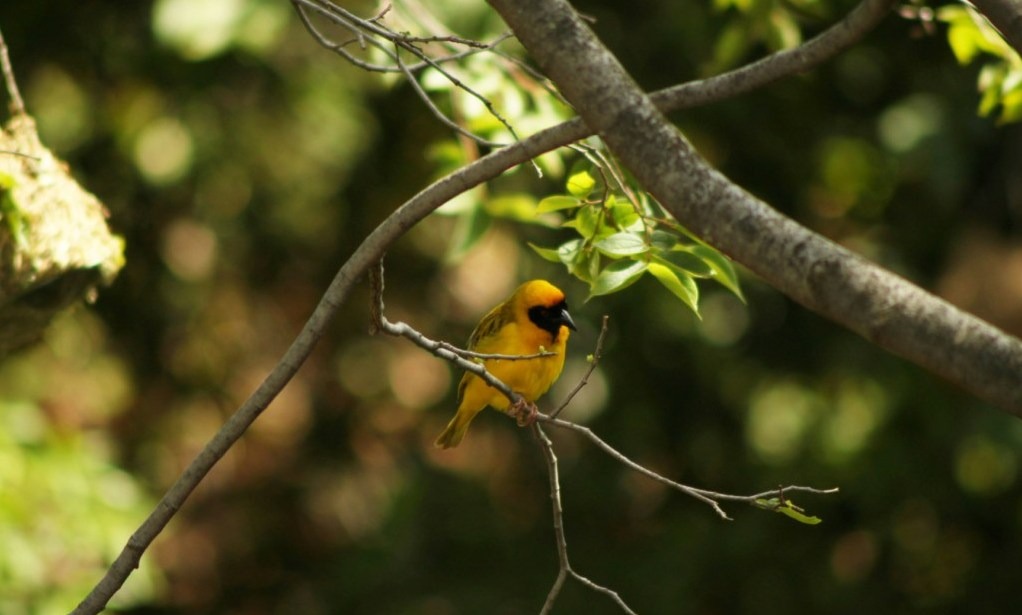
532 319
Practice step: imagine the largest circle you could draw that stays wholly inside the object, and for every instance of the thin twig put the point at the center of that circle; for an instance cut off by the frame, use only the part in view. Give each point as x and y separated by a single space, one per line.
437 113
444 350
16 105
469 354
564 564
597 354
704 495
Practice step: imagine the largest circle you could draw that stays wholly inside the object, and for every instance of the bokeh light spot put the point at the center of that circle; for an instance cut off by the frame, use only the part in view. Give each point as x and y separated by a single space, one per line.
853 556
196 29
189 250
725 319
163 151
780 414
857 408
418 379
984 467
905 125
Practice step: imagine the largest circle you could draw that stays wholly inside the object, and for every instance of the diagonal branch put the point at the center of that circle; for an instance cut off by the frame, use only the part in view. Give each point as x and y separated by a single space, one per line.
826 45
16 105
564 565
1006 16
823 276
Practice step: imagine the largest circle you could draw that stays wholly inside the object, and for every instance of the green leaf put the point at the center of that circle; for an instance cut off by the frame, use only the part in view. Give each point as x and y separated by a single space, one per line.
586 221
568 251
788 509
964 41
683 287
782 30
731 45
723 270
585 266
622 244
685 263
549 254
663 240
617 276
623 213
580 184
557 203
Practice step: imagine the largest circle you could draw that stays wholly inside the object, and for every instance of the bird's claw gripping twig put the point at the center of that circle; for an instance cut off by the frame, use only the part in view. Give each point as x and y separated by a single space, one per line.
525 412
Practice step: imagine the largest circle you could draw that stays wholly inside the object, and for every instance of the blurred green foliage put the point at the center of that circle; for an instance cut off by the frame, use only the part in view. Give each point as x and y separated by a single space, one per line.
243 163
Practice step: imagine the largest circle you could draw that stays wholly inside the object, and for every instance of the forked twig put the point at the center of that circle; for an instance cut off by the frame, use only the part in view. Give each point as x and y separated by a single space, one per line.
564 564
444 350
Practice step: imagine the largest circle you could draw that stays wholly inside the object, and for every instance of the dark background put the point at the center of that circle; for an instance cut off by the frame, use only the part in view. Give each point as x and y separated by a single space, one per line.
243 171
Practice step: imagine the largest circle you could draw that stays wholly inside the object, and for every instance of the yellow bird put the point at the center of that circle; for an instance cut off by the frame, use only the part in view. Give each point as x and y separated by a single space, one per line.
533 319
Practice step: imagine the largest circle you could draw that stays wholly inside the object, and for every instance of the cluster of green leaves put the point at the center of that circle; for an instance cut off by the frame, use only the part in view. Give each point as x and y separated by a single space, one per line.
623 234
1000 80
770 23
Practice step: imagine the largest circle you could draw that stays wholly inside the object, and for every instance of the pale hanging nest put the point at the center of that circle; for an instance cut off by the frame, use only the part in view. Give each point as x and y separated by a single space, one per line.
55 246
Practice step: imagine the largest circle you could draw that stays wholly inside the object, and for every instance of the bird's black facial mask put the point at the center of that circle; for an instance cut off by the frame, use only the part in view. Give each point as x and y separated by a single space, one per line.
551 318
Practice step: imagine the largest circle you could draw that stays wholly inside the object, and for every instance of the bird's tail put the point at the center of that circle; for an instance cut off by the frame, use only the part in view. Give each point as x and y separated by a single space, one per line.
455 430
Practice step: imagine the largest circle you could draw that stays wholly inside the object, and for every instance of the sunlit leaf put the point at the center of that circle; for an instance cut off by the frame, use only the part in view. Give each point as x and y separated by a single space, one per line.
549 254
586 221
624 215
723 270
681 286
557 203
617 276
663 240
586 265
964 42
788 509
568 251
782 30
685 262
622 244
580 184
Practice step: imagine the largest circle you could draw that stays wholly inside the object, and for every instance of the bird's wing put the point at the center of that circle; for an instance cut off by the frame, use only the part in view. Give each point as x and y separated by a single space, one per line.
491 324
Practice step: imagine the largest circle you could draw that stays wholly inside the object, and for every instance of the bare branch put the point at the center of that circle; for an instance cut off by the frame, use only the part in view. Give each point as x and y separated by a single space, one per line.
564 565
597 354
706 496
16 106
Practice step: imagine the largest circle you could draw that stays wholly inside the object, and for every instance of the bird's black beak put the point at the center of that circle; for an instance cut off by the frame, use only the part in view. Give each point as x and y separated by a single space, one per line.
565 318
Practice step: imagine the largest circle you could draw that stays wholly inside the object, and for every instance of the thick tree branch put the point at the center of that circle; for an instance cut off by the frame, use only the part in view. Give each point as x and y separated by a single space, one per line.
1006 16
371 250
825 277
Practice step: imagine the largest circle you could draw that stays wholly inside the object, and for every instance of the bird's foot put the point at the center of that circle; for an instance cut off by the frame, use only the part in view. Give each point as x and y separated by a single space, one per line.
525 412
